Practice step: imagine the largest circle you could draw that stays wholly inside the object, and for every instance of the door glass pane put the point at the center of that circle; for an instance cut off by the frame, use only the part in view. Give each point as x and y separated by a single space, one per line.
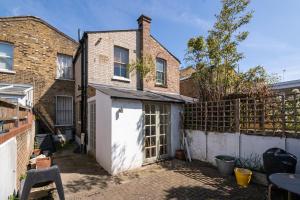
153 141
147 130
147 141
153 119
147 152
147 119
147 108
153 131
153 151
152 109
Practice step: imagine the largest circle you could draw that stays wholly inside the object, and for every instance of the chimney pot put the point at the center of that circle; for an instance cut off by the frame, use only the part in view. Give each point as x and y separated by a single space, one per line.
142 20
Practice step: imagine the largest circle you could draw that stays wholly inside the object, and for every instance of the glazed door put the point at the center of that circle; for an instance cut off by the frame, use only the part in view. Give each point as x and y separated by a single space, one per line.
156 131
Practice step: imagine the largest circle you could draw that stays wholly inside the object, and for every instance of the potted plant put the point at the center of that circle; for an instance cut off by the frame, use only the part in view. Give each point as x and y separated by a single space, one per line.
179 154
225 164
42 163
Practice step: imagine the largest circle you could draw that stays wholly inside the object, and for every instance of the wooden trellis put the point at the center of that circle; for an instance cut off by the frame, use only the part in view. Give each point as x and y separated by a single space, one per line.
276 115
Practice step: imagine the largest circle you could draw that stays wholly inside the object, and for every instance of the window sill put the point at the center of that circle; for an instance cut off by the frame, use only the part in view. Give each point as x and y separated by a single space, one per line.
7 71
161 85
63 79
120 78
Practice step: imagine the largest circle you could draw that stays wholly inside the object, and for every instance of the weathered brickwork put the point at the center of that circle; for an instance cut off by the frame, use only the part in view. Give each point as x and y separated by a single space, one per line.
36 45
25 144
187 83
187 72
152 47
101 56
188 88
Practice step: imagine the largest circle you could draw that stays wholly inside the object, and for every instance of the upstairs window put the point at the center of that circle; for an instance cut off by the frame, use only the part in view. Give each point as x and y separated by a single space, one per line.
121 60
160 71
6 56
64 66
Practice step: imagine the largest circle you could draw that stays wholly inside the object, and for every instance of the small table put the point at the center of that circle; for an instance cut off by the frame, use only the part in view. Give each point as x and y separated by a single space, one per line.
286 181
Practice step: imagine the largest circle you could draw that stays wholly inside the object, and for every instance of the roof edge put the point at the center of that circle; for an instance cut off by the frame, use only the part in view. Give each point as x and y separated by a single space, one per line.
111 31
165 49
38 19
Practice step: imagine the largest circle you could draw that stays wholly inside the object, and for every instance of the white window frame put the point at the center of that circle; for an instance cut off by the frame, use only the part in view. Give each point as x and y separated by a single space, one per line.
56 111
117 77
12 57
57 67
164 72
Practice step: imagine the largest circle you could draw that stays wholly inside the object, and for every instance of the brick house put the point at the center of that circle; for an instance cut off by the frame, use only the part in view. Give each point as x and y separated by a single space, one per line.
32 52
187 83
126 117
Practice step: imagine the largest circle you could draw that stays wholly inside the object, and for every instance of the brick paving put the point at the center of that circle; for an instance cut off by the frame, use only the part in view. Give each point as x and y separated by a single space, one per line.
83 178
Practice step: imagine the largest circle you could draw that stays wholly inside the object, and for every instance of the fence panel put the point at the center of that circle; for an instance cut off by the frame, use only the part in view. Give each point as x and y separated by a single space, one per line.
275 115
11 115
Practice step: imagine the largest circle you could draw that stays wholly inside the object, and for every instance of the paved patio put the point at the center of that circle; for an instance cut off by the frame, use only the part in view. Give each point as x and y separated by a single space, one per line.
83 178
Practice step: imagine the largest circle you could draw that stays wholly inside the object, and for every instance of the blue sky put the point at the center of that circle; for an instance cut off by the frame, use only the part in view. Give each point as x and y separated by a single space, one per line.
273 42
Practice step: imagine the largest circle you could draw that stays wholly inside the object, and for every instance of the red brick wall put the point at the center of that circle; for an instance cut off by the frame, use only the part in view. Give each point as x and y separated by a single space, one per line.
149 46
188 88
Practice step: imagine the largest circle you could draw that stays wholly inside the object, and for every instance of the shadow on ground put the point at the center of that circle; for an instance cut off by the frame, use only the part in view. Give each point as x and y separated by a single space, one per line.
213 185
83 178
81 173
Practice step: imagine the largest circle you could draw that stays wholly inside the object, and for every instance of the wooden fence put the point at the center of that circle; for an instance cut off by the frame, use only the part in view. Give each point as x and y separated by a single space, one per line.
12 116
272 115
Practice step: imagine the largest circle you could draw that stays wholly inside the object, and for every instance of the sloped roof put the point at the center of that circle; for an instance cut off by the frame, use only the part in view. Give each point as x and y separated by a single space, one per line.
34 18
124 93
286 84
14 89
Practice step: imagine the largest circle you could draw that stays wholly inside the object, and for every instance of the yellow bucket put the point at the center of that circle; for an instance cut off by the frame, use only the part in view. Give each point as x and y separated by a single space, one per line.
243 176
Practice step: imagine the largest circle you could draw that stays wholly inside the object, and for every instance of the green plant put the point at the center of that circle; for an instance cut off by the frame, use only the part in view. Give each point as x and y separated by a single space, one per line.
216 57
143 66
36 146
22 177
253 162
13 197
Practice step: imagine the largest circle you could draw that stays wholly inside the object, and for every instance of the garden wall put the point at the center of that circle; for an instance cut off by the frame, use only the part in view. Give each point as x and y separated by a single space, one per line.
206 146
16 146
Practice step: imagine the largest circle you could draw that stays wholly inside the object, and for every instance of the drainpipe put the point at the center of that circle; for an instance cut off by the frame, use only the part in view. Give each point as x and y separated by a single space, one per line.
84 85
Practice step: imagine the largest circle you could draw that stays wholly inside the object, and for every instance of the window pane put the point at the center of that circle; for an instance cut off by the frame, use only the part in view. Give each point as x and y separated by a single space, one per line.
159 78
6 56
117 69
121 55
160 71
64 110
64 66
123 71
160 65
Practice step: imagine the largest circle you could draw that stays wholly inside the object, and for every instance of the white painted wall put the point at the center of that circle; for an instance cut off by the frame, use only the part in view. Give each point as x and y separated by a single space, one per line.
8 158
103 130
119 134
175 127
206 147
127 135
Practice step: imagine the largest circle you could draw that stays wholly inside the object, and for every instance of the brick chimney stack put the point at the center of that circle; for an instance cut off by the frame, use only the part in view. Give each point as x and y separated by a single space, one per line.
144 23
